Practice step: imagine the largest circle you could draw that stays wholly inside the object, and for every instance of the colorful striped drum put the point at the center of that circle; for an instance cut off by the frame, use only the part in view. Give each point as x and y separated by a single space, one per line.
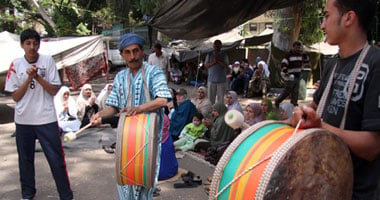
272 160
136 149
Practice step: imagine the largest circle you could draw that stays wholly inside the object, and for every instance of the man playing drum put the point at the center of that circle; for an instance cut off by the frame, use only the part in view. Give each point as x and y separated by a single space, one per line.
349 103
129 85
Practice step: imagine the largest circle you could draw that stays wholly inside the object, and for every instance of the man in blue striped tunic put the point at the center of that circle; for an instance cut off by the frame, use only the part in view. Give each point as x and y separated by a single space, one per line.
128 96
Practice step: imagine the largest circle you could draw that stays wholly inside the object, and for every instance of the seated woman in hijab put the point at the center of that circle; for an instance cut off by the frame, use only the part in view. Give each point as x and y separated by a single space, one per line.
268 109
253 114
102 97
221 135
87 104
66 111
232 101
182 115
286 110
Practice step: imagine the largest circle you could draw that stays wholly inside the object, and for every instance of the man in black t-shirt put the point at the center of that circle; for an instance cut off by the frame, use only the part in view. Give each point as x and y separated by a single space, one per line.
346 24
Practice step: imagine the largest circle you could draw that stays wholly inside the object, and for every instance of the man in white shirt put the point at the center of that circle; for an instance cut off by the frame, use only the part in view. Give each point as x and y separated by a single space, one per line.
33 81
158 58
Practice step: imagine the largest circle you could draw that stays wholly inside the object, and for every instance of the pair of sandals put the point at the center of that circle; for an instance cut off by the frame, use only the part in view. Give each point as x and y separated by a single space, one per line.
189 181
109 148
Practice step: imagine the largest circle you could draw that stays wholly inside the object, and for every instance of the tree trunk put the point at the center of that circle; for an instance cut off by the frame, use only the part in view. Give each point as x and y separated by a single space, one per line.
121 9
288 28
285 32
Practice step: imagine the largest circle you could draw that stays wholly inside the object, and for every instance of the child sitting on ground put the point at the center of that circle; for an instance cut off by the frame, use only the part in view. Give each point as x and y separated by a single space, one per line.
191 132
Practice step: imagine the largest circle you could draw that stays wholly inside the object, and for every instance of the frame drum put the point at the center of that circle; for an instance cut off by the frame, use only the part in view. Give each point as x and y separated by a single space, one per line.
272 160
136 149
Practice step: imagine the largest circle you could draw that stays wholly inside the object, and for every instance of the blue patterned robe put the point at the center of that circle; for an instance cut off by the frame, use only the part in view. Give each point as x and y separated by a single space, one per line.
118 98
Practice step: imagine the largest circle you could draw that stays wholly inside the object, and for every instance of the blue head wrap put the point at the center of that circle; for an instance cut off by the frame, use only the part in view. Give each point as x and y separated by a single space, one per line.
130 38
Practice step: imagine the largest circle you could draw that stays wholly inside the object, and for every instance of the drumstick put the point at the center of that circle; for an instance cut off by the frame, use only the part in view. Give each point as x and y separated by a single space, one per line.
235 119
245 125
72 136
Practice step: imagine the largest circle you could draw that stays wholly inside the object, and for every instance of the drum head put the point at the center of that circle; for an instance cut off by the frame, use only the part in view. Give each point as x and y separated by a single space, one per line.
318 166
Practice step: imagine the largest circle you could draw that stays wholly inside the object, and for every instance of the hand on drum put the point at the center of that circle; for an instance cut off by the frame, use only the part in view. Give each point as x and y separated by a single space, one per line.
130 110
309 118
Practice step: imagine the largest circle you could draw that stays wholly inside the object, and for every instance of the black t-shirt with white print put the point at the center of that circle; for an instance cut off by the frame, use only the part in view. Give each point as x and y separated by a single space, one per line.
363 112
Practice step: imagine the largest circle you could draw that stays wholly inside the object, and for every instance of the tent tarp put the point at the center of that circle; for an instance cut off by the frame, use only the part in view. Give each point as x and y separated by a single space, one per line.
262 38
69 51
324 48
199 19
65 51
184 50
9 50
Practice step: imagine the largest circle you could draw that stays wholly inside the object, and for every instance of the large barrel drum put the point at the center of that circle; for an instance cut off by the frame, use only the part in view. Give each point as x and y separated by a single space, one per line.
136 149
272 160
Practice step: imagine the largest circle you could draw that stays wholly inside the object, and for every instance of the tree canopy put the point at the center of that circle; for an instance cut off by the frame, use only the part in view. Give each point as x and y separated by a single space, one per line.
72 17
83 17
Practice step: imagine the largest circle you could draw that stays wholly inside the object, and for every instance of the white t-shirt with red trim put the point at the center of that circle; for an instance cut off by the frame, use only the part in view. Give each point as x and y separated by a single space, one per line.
36 107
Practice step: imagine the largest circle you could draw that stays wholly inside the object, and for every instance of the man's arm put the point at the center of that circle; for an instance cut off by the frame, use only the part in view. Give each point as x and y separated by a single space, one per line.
51 89
157 103
364 144
209 62
108 111
221 63
20 92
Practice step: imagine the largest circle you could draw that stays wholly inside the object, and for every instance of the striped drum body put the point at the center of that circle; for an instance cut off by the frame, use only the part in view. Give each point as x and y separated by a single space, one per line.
136 149
272 160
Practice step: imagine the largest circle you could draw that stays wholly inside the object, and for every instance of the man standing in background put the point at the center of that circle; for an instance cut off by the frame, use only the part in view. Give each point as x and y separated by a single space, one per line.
217 64
291 66
158 58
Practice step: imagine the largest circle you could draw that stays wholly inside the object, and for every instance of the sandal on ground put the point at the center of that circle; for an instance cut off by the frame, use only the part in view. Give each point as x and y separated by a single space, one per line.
189 175
108 149
197 180
185 185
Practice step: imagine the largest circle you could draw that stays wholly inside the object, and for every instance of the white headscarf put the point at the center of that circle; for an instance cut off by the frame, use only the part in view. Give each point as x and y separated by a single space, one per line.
83 101
59 102
102 97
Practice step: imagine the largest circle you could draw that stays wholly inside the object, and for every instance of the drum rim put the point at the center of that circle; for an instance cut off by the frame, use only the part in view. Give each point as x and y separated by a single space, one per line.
150 177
